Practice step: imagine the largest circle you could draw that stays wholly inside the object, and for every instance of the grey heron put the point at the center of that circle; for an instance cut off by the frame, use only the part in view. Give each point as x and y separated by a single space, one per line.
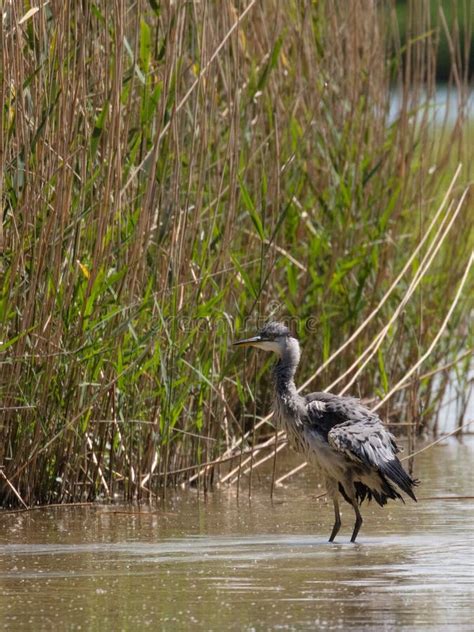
346 441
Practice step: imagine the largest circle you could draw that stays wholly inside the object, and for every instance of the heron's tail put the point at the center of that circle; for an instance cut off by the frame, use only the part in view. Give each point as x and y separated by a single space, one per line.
394 471
380 495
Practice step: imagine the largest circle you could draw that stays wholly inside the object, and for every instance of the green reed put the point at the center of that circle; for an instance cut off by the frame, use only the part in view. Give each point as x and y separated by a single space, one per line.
173 173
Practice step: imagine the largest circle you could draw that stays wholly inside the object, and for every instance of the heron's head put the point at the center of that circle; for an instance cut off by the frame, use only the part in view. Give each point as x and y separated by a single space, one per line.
274 337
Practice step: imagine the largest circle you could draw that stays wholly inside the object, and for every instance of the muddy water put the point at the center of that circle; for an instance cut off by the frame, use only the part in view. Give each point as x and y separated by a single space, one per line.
217 564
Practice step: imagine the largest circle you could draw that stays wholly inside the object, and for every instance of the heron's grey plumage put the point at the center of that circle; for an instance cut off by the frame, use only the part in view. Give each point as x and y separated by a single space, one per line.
344 439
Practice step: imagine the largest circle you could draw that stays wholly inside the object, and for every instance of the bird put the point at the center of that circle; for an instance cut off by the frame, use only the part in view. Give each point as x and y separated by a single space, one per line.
347 442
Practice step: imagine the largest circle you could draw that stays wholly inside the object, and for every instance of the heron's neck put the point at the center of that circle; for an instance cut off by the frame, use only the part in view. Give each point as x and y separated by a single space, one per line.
285 369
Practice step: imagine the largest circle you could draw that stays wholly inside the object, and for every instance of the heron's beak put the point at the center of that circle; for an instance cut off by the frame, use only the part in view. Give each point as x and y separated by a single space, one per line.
247 341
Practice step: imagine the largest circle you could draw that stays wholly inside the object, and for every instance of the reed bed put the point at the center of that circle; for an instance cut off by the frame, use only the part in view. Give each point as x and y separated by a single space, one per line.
175 172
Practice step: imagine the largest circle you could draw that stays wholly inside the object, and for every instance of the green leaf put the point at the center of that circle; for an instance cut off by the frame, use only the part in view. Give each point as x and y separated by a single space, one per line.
9 343
98 129
155 6
270 65
249 286
145 46
150 103
250 206
383 373
326 340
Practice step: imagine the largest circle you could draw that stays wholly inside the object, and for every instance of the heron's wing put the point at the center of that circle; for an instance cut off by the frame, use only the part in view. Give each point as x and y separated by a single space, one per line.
319 417
343 408
367 442
324 411
331 410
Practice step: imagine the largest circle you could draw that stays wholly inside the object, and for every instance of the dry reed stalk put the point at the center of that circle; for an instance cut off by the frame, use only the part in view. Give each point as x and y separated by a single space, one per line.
422 270
18 496
436 338
437 441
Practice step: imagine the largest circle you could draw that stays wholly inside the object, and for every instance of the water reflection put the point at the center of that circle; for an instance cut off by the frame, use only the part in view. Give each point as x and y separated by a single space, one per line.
217 564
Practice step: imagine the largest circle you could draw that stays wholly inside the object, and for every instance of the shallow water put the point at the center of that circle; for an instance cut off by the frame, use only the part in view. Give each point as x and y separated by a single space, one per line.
215 563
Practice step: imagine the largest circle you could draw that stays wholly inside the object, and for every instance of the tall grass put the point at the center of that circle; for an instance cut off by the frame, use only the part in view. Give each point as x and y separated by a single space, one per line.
173 172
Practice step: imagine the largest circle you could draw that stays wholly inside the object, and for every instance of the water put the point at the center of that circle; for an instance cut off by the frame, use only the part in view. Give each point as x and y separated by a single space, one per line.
444 106
216 564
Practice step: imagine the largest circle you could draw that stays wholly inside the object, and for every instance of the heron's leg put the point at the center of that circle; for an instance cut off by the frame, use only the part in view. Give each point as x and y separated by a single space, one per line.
358 522
337 521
